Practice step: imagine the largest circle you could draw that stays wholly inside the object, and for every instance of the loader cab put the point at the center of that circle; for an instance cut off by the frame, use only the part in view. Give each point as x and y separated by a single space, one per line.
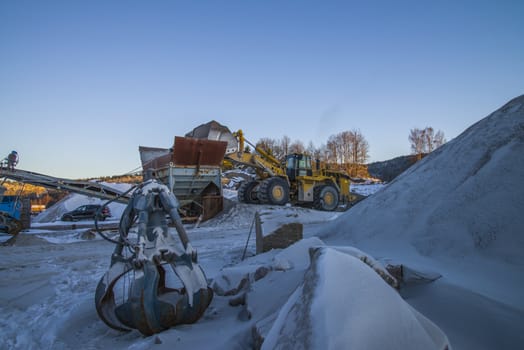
298 165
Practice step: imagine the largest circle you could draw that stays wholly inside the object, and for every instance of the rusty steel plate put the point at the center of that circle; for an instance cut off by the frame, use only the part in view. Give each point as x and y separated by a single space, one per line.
212 205
154 158
200 152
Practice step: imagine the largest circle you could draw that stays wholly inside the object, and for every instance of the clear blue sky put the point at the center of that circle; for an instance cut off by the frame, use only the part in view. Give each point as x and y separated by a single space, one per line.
84 83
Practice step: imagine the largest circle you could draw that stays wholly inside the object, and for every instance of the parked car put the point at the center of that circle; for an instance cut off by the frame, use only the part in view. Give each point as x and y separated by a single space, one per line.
86 212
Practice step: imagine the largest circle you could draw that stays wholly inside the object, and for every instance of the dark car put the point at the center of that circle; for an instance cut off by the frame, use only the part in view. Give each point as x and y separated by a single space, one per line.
86 212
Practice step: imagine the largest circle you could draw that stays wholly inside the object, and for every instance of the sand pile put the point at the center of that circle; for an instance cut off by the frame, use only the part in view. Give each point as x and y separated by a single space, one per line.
466 198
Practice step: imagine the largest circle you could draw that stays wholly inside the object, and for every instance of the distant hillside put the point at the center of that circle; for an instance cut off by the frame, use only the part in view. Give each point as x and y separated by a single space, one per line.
128 179
390 169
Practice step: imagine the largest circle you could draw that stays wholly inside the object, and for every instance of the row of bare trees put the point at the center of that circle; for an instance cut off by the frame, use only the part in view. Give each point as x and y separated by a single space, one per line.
280 148
348 147
342 148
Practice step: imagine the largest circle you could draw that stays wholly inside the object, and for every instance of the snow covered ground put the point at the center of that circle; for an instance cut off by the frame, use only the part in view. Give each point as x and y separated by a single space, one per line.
367 189
453 221
49 277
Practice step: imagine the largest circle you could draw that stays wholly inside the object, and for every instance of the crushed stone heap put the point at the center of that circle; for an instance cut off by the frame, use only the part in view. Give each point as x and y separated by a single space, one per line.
465 198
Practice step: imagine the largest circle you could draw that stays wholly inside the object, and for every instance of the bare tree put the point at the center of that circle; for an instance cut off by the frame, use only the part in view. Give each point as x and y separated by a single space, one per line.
297 147
333 149
323 153
345 138
311 149
319 153
425 140
416 139
284 143
439 139
429 134
359 147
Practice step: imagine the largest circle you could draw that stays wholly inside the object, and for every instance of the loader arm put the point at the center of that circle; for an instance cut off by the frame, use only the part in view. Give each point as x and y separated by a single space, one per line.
262 161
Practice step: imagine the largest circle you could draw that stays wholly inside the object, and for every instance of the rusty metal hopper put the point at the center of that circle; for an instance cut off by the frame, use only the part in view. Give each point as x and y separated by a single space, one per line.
191 170
198 152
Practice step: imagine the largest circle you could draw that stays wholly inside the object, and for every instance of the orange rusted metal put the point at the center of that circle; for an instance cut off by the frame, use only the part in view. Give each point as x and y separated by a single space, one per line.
212 205
191 169
199 152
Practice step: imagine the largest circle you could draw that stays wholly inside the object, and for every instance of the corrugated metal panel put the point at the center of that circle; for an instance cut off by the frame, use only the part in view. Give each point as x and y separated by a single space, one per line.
198 152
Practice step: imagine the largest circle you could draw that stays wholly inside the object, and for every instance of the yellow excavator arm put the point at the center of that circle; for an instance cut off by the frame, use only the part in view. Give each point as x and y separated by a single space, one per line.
259 159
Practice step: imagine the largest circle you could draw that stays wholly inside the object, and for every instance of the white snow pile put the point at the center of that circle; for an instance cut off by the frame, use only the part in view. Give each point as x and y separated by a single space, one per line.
336 301
236 215
367 188
343 304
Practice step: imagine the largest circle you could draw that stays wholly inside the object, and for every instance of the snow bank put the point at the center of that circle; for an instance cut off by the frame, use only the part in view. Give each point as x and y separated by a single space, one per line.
236 215
367 189
343 304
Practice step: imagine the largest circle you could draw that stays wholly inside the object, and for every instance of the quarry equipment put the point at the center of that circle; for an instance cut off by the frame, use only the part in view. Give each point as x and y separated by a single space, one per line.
192 171
14 213
88 188
139 290
294 180
10 210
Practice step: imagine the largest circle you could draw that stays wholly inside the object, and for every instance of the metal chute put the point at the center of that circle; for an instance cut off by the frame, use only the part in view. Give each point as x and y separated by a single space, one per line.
138 291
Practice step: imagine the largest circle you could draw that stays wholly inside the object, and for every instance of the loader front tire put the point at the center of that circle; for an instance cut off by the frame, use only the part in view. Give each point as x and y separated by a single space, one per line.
274 190
247 192
325 198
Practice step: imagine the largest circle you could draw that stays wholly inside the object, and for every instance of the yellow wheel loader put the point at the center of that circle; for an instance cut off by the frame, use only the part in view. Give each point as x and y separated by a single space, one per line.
294 181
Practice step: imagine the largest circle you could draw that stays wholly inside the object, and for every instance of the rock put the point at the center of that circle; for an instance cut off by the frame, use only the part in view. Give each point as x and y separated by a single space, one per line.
240 300
261 272
275 230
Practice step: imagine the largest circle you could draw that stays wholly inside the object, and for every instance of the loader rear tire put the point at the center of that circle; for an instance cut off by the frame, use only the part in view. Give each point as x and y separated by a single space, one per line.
274 190
247 192
325 198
